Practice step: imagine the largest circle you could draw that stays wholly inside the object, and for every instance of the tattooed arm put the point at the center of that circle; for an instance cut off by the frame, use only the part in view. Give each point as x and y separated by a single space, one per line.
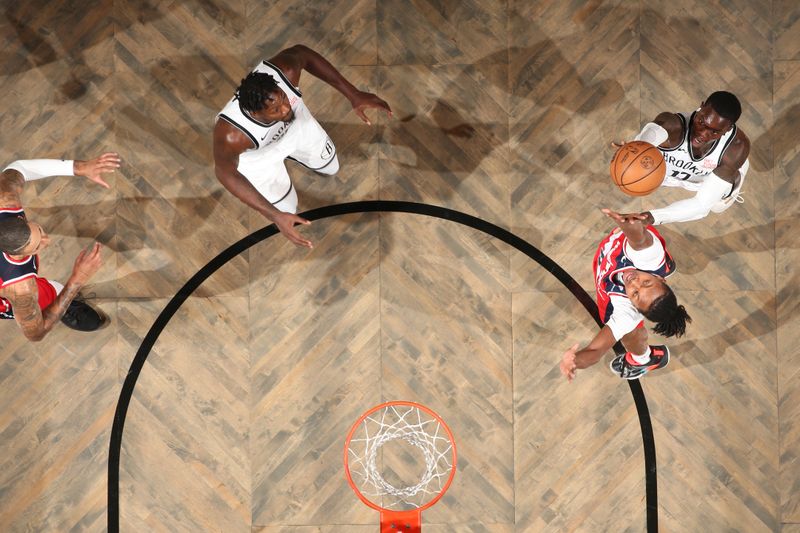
11 183
24 296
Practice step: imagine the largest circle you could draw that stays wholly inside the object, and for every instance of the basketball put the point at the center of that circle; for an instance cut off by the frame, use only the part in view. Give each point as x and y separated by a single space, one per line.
638 168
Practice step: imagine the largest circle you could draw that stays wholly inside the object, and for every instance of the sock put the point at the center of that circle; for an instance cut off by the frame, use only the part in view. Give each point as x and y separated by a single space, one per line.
639 359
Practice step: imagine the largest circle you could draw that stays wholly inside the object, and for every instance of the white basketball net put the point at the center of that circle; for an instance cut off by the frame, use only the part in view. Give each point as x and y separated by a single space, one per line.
414 426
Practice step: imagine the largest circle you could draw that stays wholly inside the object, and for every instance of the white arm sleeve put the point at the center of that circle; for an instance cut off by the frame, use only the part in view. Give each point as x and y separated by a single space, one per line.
36 169
649 258
710 192
652 133
624 317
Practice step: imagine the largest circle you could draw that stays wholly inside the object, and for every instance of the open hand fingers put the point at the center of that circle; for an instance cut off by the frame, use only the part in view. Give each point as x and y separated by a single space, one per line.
110 157
100 181
568 366
613 214
371 102
108 163
294 236
362 115
383 105
286 226
91 254
81 255
94 249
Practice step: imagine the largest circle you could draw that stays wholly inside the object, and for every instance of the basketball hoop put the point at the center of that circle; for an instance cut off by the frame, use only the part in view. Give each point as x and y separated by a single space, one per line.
410 430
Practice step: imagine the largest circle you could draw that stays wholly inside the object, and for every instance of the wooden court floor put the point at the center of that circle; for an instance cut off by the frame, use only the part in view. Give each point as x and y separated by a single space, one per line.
503 110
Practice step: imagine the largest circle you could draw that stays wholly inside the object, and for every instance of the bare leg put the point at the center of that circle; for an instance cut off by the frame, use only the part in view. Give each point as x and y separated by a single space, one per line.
635 341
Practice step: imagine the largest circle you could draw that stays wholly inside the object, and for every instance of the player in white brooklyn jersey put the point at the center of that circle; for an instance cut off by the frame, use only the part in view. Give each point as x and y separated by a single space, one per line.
267 122
704 152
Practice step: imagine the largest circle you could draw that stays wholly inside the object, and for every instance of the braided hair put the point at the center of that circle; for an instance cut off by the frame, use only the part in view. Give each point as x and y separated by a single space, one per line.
670 318
255 89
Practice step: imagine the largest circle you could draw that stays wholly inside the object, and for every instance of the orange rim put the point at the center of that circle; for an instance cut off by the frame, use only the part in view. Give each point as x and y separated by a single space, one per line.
378 408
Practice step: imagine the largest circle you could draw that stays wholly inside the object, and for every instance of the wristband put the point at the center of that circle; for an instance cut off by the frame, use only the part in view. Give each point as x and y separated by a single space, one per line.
652 133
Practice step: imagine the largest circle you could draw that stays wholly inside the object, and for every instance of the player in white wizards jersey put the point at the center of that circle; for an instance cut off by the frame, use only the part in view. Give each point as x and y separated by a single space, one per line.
266 122
704 152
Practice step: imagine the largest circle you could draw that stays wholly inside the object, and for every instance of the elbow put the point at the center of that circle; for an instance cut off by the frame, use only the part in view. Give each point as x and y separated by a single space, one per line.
299 48
218 173
222 174
35 337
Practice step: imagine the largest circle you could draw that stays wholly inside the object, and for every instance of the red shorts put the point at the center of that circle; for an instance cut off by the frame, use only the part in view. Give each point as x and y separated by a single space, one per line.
47 293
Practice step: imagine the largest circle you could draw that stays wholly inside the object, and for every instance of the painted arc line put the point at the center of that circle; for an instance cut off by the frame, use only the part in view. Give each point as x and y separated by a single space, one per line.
368 206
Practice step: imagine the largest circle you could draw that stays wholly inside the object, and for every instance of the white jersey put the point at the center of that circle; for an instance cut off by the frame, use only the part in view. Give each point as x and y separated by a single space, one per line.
301 139
265 135
683 169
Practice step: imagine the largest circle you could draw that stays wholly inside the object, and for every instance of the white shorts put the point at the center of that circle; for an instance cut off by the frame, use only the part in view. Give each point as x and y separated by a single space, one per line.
56 285
307 143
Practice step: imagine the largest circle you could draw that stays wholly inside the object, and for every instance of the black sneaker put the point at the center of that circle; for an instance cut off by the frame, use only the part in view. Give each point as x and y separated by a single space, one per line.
626 368
82 317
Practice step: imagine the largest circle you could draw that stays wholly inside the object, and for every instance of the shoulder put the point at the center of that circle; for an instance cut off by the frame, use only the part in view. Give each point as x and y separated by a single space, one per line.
291 61
738 151
671 122
229 139
24 299
20 290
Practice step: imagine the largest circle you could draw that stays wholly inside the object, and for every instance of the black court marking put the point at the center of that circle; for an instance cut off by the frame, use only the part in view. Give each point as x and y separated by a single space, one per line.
232 251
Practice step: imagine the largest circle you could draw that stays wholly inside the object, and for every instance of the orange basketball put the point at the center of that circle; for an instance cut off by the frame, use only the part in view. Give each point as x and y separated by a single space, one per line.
638 168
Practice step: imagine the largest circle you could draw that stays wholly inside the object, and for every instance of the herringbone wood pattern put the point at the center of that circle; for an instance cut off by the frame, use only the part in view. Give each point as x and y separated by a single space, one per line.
504 110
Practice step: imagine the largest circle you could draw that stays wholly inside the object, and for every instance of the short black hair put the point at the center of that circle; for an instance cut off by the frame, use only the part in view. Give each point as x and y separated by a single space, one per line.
255 89
14 234
726 105
670 318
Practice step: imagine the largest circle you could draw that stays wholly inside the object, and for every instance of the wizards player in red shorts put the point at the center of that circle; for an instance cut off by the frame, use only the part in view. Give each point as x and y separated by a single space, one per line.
630 268
35 303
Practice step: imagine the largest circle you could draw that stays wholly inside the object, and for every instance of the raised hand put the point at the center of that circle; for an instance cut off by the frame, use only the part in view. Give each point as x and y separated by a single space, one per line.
363 101
621 219
87 264
95 168
286 222
568 366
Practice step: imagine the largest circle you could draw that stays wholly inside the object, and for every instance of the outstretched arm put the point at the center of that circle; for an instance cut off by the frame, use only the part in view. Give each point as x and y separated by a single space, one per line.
17 173
634 228
714 188
294 60
574 359
698 206
229 144
665 131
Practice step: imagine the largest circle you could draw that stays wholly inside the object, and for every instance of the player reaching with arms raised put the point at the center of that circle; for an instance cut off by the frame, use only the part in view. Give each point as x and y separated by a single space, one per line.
704 152
630 268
